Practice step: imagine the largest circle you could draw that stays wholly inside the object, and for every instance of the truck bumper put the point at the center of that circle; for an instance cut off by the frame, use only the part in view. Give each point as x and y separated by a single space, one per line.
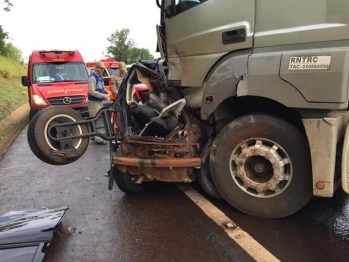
325 138
82 110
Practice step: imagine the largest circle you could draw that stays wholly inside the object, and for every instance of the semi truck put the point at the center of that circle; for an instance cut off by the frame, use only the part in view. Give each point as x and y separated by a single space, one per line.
249 98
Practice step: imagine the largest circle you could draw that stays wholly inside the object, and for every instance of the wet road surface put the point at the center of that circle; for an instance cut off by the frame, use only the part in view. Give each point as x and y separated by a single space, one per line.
319 232
110 226
160 224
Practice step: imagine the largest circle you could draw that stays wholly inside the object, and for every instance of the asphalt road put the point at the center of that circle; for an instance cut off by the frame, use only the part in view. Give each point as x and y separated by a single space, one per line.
161 223
110 226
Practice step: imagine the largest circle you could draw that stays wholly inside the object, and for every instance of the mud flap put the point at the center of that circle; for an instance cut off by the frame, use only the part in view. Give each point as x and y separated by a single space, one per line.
345 162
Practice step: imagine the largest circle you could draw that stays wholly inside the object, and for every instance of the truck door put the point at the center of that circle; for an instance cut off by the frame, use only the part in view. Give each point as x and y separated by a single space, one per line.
200 32
311 38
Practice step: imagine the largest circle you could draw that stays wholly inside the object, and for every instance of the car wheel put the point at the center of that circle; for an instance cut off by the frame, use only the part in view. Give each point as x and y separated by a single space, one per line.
55 152
126 182
206 183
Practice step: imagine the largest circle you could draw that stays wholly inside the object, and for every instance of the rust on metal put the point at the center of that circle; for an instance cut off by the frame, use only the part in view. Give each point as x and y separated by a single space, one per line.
158 162
171 160
140 142
179 174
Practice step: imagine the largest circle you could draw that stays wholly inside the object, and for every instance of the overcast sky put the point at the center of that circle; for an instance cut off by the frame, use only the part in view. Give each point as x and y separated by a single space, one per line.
79 24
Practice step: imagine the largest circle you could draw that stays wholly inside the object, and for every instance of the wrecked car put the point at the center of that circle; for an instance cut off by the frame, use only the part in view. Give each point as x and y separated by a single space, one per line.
152 139
26 235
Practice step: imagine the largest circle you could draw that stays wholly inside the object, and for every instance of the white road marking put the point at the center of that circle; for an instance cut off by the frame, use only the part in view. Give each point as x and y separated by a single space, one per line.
242 238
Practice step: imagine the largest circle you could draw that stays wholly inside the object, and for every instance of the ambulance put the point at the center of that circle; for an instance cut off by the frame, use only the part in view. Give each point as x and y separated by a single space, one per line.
56 77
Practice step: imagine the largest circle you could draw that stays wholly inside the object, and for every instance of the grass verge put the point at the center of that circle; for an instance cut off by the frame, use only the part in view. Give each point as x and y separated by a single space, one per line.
10 134
12 93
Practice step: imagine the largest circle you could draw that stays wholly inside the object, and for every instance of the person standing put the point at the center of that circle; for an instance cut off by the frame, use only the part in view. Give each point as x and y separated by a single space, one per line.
117 78
96 94
55 73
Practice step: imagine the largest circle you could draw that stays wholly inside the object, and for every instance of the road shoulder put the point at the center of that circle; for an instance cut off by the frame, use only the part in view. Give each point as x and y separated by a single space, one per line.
11 126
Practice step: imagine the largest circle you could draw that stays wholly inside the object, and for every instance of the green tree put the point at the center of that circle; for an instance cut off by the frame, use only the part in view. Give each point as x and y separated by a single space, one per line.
119 45
14 53
136 54
122 48
3 37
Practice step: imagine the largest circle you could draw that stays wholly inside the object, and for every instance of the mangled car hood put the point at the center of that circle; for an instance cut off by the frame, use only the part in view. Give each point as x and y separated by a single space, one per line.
25 235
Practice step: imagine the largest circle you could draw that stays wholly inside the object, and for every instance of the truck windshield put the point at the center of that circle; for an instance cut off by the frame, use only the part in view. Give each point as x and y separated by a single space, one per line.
59 72
183 5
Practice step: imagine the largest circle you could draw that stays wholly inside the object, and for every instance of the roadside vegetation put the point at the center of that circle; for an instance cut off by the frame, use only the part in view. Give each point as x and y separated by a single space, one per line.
123 48
12 93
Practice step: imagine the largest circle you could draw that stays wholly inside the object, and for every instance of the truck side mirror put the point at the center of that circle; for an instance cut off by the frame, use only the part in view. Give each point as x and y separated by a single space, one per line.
25 81
166 11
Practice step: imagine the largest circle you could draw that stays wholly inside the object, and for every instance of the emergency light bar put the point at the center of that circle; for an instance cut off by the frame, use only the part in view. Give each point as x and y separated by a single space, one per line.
56 51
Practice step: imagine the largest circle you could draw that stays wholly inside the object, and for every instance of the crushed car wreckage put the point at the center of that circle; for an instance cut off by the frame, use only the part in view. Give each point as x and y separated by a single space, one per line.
152 139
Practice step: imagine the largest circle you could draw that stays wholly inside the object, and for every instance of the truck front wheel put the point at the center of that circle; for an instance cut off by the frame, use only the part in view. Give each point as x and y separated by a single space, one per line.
261 165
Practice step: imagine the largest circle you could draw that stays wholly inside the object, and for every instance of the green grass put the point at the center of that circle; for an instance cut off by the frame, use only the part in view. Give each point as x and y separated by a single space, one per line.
12 93
10 129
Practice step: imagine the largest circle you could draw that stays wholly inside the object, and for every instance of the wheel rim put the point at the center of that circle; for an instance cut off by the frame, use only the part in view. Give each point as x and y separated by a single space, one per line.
261 167
61 118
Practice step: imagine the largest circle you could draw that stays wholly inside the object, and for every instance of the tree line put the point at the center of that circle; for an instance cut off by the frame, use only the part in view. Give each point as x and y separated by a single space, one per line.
123 48
8 49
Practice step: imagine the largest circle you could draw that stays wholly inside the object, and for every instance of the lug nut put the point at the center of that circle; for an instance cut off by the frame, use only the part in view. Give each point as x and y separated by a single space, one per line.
267 156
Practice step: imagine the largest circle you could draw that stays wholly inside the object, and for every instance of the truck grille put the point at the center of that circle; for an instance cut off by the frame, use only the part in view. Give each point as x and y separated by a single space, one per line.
66 100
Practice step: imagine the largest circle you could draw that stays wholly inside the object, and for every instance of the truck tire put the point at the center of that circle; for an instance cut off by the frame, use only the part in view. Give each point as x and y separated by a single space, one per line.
45 148
261 165
126 182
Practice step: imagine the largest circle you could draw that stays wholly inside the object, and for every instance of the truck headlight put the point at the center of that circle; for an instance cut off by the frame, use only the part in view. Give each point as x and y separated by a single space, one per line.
38 100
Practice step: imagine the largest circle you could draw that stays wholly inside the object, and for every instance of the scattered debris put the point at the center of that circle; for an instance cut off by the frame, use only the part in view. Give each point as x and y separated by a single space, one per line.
71 230
230 225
